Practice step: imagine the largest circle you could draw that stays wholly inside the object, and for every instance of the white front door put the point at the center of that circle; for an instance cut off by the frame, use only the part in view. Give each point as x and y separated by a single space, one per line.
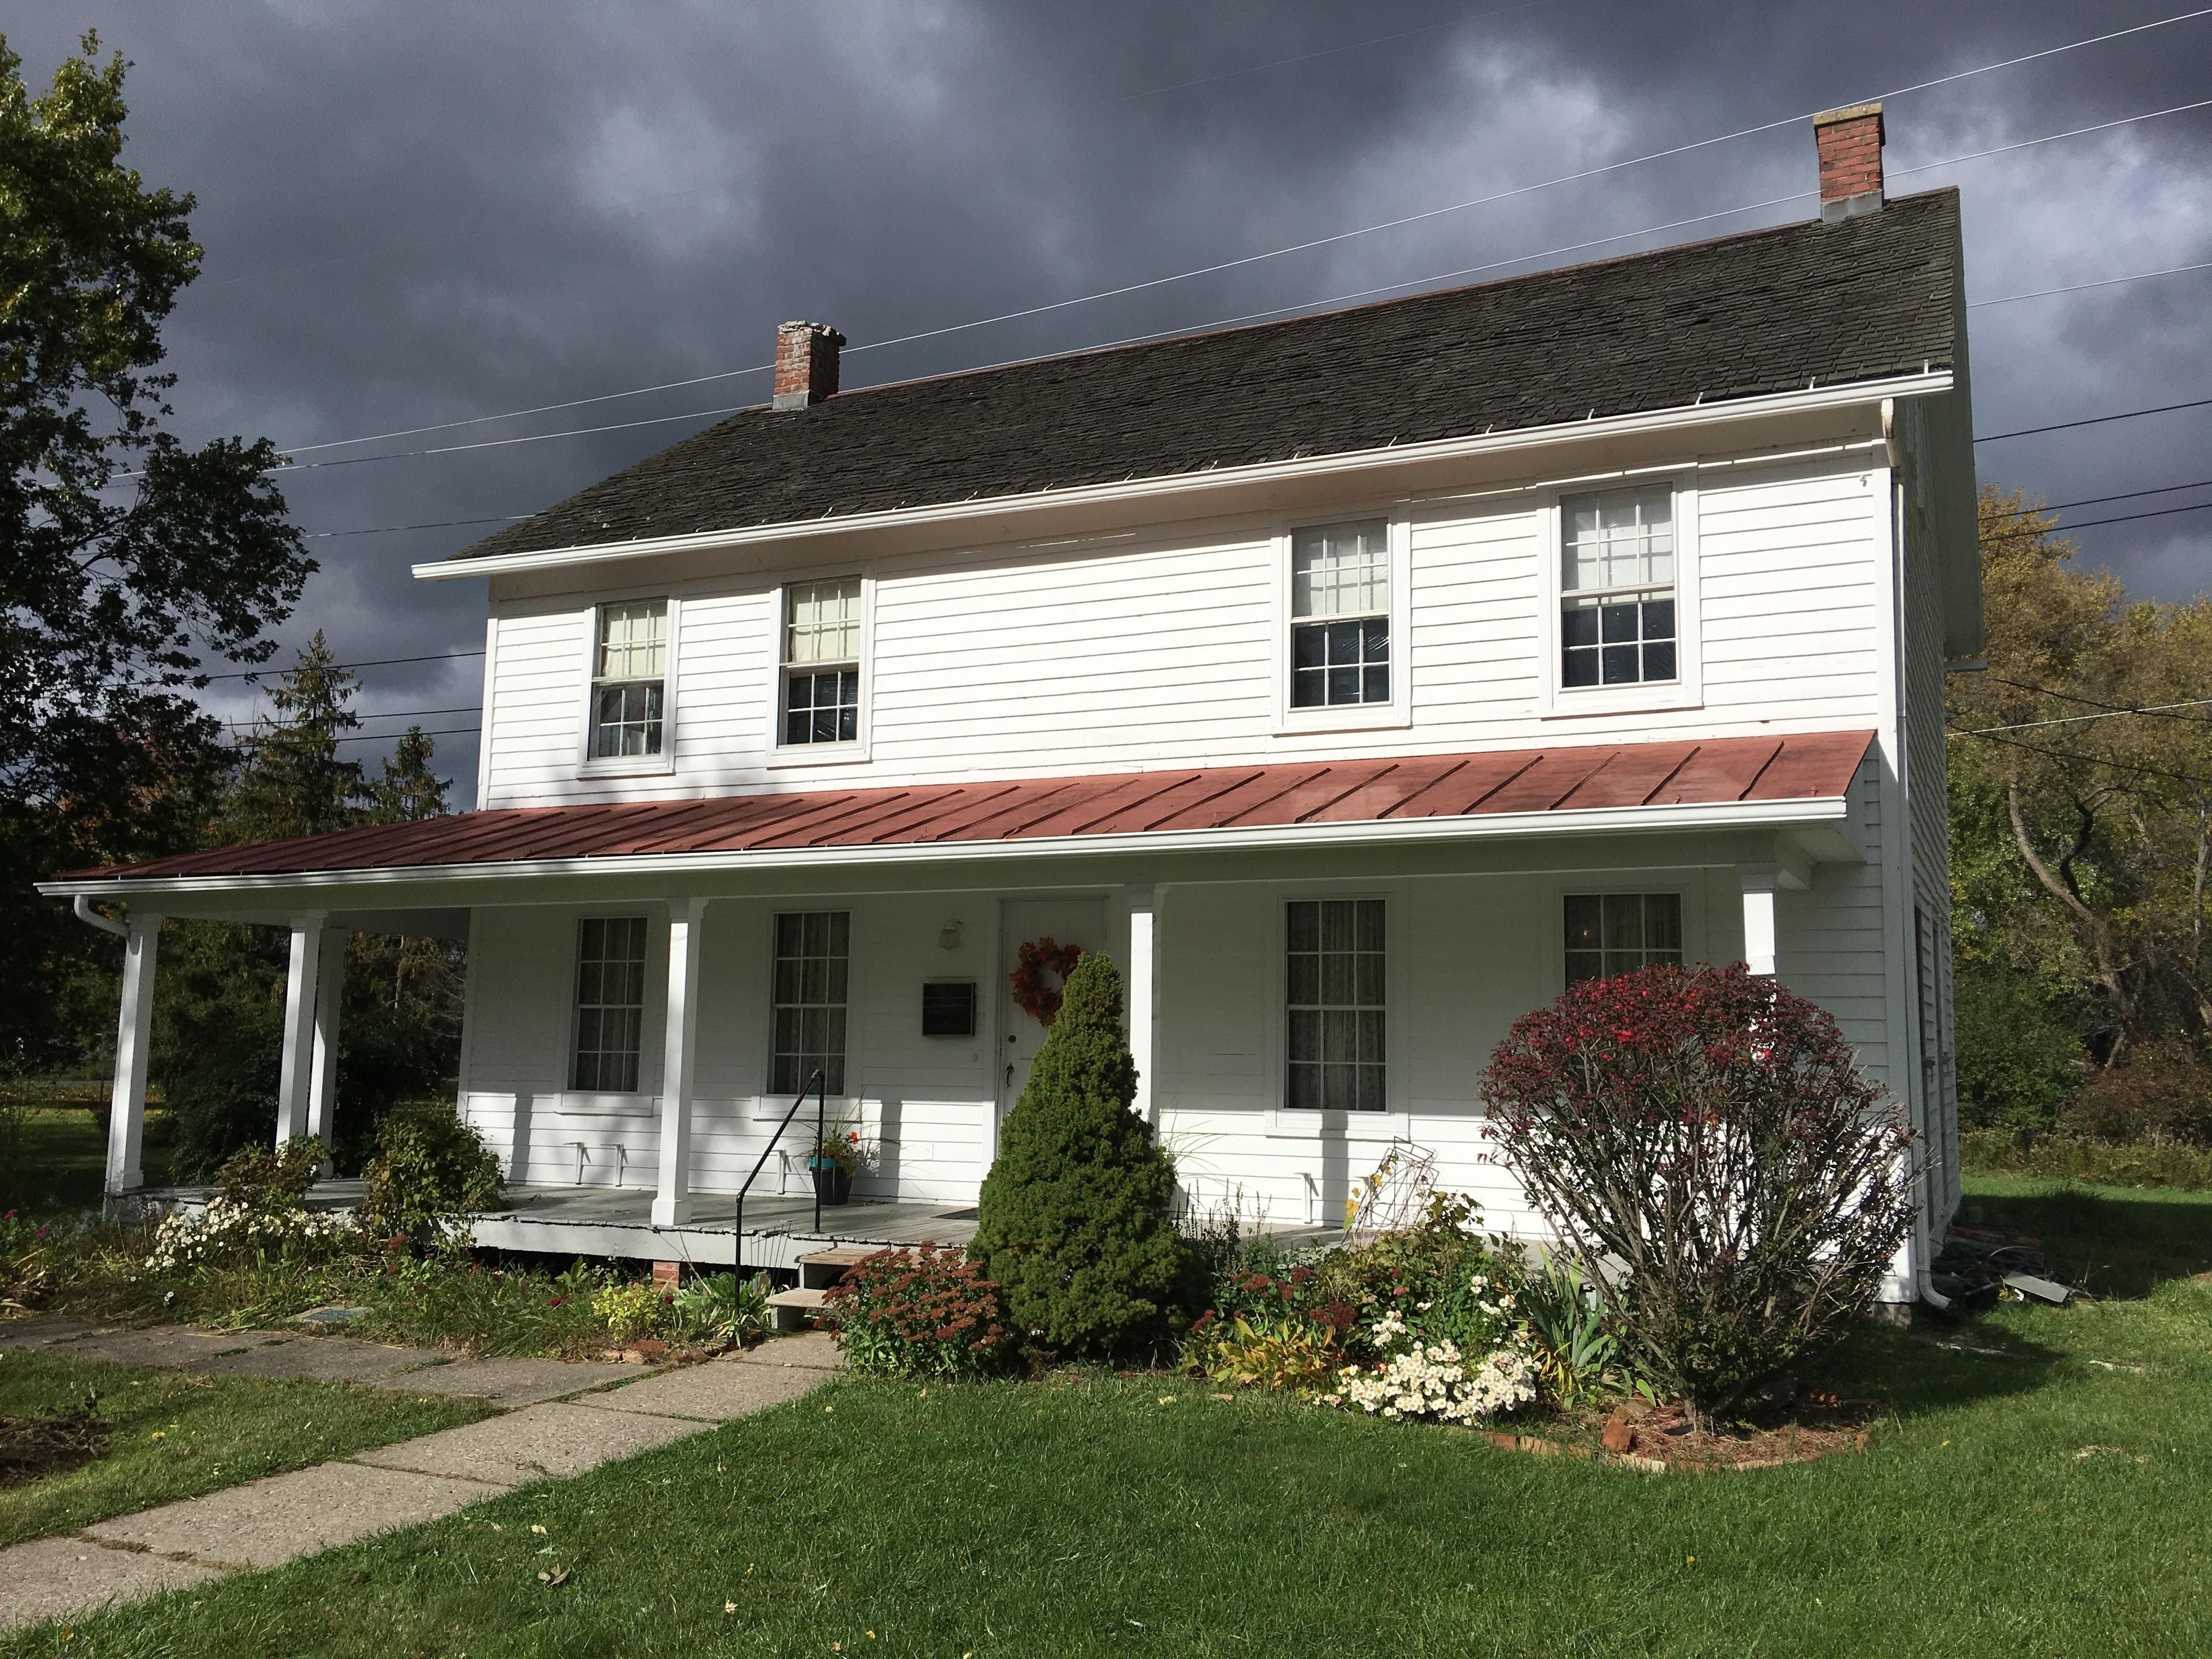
1066 921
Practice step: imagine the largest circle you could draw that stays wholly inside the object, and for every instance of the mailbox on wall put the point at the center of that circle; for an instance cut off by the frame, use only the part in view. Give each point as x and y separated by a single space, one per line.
948 1008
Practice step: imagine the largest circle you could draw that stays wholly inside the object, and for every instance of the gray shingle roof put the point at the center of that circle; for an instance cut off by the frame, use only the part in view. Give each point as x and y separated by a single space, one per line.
1770 310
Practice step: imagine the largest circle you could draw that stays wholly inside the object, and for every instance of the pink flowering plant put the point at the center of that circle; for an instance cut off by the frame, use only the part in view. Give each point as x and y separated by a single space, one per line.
1701 1140
928 1312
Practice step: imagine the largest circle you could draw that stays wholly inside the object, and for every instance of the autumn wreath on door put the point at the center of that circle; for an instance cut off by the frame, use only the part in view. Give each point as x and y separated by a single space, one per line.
1044 966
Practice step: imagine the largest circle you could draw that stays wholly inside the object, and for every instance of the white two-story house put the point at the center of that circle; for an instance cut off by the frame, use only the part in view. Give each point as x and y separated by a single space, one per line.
1356 682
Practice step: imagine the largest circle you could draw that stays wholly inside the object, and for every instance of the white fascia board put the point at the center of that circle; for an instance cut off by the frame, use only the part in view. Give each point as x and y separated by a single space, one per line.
1813 398
1608 820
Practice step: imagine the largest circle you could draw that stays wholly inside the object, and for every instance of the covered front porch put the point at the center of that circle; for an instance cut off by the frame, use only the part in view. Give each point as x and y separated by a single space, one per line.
1315 981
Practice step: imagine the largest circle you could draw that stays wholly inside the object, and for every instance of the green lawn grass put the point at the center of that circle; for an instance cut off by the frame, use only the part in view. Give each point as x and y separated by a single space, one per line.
58 1161
2033 1501
174 1435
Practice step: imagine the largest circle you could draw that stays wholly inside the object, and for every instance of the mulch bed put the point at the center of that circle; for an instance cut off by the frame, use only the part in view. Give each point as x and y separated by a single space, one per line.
49 1444
1660 1438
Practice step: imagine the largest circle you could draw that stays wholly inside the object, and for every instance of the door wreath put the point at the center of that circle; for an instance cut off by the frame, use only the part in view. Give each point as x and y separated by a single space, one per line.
1037 998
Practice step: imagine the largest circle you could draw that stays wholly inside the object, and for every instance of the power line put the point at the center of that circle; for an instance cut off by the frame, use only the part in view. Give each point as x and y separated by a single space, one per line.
385 530
394 736
2102 714
2125 495
2092 760
2130 518
2094 420
379 662
1324 241
362 715
2076 288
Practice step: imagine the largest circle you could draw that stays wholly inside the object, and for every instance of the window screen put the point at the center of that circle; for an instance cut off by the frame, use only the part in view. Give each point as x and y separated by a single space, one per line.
811 970
1610 933
1335 1006
610 1004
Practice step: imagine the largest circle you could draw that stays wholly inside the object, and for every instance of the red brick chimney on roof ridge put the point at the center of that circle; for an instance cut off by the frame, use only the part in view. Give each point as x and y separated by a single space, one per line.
1849 142
806 364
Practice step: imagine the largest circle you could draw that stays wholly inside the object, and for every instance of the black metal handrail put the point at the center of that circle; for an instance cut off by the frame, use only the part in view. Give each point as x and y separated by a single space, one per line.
819 1088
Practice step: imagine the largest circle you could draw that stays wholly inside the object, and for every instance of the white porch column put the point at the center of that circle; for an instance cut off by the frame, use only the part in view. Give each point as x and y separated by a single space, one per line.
302 990
134 1032
323 1061
1760 881
1144 996
671 1198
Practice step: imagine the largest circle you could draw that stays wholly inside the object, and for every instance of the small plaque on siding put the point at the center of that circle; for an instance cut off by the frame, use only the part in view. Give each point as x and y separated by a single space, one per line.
948 1008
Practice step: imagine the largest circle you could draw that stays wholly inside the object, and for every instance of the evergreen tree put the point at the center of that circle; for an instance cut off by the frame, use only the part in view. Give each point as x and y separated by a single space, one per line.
293 781
407 789
1073 1221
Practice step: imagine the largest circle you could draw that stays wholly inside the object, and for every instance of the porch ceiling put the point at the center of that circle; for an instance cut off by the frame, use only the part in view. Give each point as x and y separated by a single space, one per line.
1585 789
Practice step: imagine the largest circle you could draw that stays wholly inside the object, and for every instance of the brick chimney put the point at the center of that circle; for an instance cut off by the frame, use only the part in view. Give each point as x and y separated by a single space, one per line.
1850 142
806 364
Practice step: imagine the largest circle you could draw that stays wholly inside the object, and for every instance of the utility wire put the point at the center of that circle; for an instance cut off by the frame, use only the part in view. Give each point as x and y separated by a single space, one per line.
385 530
2102 714
2094 420
360 715
1340 236
379 662
2076 288
2091 760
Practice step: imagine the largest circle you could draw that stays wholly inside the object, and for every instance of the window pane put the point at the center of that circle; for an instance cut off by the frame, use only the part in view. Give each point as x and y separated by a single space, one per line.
1341 570
810 978
1335 1023
1619 933
1617 573
610 1012
1659 661
633 641
822 620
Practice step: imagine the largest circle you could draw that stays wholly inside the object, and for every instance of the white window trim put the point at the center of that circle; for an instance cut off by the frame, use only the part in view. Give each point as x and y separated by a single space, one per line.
777 753
653 1016
1347 717
1688 884
627 766
1394 1122
1686 689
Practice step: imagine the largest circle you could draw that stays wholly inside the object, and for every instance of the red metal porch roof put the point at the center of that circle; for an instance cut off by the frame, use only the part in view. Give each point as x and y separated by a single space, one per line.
1814 766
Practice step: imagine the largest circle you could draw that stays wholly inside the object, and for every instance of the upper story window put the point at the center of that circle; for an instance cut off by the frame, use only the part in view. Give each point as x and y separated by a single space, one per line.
821 661
1610 933
1617 587
630 683
610 1005
1341 614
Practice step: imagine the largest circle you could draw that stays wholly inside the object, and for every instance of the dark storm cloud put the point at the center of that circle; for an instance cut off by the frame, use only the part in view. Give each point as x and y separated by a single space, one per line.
421 212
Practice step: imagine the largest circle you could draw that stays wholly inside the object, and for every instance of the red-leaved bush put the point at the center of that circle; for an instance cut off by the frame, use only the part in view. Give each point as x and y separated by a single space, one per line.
927 1312
1702 1139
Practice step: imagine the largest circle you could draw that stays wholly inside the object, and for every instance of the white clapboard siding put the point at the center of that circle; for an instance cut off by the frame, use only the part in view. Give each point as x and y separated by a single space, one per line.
1162 649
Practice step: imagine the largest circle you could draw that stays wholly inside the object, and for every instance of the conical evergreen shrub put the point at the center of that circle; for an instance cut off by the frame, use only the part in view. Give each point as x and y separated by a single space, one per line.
1074 1223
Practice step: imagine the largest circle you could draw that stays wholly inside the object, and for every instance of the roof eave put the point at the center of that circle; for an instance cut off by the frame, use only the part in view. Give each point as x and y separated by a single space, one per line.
1928 382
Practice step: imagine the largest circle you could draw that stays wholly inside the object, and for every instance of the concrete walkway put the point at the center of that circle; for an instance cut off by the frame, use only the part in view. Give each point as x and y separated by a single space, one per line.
567 1419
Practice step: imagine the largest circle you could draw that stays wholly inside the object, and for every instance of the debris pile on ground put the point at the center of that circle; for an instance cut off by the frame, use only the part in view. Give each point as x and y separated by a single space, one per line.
1978 1268
50 1441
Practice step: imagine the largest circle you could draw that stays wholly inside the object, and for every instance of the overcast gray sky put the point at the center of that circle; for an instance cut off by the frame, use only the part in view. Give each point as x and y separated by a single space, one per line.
419 212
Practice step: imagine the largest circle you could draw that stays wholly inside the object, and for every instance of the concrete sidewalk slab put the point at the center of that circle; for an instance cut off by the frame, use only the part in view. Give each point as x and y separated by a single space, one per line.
536 1444
267 1522
815 1351
172 1347
49 1577
323 1359
43 1330
512 1382
714 1392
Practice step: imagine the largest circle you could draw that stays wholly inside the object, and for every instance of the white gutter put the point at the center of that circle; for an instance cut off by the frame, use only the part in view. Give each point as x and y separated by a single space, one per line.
1734 815
1928 383
92 918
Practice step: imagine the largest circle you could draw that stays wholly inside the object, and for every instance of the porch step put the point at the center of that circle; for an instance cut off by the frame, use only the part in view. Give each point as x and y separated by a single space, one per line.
819 1269
793 1311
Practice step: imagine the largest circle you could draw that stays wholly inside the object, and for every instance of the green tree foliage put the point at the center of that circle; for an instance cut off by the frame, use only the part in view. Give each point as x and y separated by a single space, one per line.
430 1170
1074 1223
126 558
2081 831
2020 1050
219 997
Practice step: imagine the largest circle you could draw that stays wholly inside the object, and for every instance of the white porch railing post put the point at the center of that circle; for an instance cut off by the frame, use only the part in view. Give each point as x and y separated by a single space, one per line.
323 1064
302 995
671 1198
1759 882
134 1032
1144 996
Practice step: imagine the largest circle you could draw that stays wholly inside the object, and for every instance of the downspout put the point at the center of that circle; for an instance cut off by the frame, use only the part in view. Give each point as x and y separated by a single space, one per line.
92 918
1923 1247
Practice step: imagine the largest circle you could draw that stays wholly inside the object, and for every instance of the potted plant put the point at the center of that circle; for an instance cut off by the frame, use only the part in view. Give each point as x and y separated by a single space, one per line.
833 1158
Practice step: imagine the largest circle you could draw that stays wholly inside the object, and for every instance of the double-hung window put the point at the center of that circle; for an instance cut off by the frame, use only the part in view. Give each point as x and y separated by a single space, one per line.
1617 587
630 679
821 661
812 948
1341 614
1610 933
610 1005
1335 1006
